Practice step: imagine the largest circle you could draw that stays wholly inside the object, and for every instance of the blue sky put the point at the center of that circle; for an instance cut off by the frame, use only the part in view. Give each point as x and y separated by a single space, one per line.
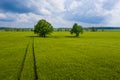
61 13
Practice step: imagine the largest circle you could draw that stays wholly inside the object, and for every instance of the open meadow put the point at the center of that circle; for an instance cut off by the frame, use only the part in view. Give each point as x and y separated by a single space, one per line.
61 56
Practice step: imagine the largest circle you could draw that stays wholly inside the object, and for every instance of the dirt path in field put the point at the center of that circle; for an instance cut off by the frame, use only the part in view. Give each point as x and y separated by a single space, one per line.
24 58
34 59
23 62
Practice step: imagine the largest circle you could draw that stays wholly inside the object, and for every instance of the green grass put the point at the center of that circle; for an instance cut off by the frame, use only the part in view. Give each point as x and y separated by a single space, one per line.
12 49
61 56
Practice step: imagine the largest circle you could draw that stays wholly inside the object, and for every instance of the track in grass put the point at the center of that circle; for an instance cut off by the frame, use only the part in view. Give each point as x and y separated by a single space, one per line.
23 62
24 59
34 61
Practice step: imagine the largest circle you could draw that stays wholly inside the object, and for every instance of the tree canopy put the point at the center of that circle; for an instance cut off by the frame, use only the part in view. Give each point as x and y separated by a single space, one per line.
77 29
42 28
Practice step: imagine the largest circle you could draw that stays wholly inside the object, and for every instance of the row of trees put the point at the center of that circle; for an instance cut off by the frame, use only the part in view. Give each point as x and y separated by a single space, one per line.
42 28
15 29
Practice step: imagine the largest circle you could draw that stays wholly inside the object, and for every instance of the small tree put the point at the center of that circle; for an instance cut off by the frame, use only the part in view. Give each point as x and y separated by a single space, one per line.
42 28
77 29
93 29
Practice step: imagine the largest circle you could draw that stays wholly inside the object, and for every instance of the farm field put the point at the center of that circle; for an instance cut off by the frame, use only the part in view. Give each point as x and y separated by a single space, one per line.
61 56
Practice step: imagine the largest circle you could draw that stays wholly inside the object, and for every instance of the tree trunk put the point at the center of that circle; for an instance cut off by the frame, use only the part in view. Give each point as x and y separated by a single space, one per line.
77 34
44 35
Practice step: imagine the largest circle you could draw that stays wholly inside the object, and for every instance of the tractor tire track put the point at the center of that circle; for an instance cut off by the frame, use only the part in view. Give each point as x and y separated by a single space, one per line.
23 62
34 62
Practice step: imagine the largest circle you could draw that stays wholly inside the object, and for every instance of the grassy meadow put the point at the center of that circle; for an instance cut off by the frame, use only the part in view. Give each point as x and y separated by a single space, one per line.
60 56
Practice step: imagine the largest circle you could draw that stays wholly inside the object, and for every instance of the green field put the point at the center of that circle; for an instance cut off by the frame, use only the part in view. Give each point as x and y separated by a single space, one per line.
61 56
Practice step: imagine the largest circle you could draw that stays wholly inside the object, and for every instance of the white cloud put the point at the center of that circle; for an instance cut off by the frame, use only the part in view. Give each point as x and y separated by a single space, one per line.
2 16
21 20
114 19
45 12
47 5
28 18
74 5
57 5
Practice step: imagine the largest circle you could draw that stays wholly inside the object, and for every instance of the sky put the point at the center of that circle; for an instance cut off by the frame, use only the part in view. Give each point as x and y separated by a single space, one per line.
60 13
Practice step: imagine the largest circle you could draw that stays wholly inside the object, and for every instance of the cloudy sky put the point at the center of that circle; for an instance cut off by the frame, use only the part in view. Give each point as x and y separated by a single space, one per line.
61 13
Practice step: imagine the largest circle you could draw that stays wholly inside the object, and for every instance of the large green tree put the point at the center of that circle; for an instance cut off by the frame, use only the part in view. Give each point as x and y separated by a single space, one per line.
42 28
77 29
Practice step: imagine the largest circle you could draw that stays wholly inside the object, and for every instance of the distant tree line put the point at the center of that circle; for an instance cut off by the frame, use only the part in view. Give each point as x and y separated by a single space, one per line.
15 29
95 29
62 29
